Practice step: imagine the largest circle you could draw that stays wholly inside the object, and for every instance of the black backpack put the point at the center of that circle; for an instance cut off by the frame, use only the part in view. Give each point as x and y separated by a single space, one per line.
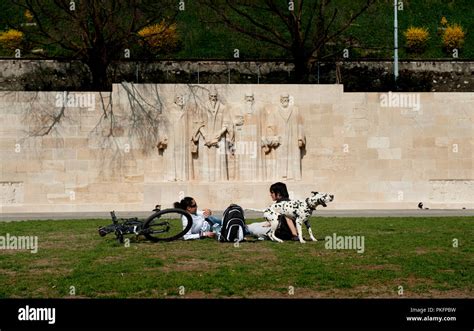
233 224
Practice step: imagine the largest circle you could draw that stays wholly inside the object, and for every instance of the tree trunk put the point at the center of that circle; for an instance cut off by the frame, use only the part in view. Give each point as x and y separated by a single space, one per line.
98 70
302 66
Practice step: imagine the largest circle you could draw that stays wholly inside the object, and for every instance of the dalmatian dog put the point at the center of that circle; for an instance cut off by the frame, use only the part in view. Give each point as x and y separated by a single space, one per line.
301 210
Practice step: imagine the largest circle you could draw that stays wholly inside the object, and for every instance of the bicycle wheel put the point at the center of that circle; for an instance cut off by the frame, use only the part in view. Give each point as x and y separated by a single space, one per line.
167 225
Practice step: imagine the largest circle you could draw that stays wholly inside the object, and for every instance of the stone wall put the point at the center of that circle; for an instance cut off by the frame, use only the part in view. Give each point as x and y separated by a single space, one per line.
362 147
356 76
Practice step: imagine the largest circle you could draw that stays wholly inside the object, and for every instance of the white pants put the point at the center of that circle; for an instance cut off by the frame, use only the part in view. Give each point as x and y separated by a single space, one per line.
258 229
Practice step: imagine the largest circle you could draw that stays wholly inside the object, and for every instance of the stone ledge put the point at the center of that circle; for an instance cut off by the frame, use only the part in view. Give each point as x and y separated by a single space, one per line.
6 217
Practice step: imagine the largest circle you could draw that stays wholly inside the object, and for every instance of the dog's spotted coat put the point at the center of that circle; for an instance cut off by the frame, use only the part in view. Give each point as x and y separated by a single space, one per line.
300 210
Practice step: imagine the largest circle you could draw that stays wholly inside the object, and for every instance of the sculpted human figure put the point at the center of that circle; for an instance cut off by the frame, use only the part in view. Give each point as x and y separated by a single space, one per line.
212 138
283 140
246 151
173 141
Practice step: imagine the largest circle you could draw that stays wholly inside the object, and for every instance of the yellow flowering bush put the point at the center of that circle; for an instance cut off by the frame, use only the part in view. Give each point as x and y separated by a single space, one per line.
443 21
453 37
161 36
28 15
11 39
416 38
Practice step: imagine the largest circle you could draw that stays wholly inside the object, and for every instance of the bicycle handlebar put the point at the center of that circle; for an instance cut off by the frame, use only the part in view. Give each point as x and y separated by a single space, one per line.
114 218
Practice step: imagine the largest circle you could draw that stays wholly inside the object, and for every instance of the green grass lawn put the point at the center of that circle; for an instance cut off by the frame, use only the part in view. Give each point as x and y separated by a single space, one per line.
415 253
372 32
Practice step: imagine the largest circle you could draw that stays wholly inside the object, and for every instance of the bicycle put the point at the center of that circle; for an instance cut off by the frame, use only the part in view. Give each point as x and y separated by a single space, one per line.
155 227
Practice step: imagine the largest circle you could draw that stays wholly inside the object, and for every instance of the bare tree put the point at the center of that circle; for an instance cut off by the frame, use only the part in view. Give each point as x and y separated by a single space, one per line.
302 28
94 31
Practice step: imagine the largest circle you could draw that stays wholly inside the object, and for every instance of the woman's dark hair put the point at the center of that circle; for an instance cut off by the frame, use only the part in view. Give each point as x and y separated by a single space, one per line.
279 188
184 203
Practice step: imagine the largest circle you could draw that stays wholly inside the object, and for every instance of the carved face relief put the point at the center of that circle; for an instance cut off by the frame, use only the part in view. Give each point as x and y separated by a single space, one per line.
179 100
213 98
249 102
249 99
285 101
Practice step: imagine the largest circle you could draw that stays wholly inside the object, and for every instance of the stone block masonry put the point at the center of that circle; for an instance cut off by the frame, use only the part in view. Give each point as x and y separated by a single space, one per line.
369 153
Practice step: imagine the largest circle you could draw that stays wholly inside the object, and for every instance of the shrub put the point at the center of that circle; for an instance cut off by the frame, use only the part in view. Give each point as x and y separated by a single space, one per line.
442 26
443 21
416 39
453 37
28 16
160 37
11 39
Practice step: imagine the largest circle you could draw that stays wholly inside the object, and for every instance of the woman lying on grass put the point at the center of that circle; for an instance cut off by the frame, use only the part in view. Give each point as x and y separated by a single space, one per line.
203 221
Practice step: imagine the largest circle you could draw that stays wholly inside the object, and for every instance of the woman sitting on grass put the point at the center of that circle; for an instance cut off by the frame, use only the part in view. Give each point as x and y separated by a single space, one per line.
202 220
286 228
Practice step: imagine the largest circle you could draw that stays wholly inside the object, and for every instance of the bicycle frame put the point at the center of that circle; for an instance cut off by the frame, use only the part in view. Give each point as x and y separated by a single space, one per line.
150 227
127 226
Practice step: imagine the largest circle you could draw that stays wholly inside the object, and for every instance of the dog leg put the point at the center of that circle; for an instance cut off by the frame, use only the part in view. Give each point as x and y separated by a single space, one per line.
275 238
273 219
271 235
308 227
274 225
300 231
